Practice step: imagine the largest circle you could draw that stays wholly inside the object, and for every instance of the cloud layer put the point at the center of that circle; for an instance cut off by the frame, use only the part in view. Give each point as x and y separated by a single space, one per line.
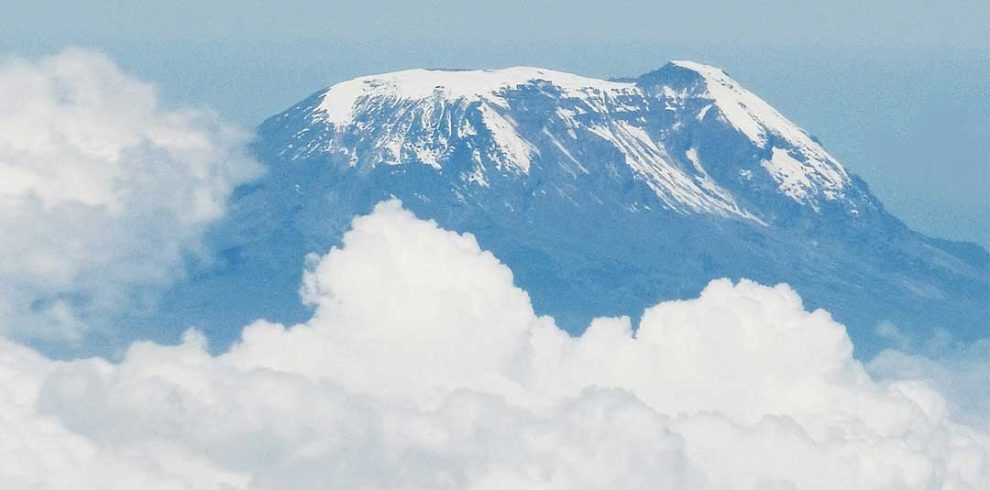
102 191
424 367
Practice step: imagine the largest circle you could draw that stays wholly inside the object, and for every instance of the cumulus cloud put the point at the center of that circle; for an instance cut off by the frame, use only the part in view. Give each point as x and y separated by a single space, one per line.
425 367
102 190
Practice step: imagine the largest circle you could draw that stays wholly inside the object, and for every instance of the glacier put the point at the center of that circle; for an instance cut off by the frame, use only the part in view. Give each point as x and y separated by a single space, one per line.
603 197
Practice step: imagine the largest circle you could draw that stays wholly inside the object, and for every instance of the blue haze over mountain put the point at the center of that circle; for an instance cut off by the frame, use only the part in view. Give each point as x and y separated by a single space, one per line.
604 197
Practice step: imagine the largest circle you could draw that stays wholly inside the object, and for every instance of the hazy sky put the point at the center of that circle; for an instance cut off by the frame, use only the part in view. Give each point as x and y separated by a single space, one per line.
898 90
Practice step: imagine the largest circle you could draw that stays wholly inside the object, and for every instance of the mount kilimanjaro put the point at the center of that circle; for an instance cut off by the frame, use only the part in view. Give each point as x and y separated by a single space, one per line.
603 196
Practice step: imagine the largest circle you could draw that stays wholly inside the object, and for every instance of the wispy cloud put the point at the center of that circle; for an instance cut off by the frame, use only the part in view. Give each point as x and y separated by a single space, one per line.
101 190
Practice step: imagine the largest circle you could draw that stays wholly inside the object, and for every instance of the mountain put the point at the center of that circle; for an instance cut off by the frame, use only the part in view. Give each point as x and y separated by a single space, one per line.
603 196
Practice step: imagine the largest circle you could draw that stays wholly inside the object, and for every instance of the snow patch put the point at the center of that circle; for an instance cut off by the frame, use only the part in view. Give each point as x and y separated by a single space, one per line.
515 150
803 180
789 173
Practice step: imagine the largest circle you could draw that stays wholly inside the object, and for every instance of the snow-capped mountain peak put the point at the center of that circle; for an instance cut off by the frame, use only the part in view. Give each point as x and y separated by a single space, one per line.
482 126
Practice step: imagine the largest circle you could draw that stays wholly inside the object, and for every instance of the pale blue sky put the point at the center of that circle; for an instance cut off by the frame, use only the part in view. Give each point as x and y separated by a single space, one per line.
898 90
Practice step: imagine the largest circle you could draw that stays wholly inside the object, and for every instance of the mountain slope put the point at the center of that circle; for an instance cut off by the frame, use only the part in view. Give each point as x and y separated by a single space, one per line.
602 196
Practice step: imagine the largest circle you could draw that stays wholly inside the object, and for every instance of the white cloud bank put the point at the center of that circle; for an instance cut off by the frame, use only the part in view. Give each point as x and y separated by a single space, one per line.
101 190
425 368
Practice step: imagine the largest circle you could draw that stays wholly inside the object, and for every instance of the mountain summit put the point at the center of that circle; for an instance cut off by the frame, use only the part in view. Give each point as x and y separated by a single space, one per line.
500 121
603 196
